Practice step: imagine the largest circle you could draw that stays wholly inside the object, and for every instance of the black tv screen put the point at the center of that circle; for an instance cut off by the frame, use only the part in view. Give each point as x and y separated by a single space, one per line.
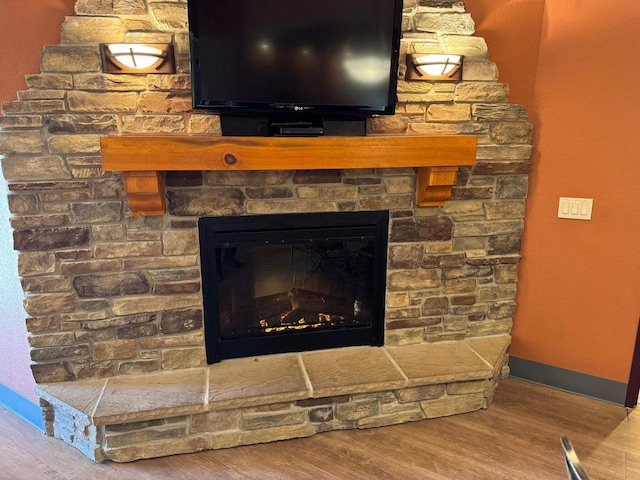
305 56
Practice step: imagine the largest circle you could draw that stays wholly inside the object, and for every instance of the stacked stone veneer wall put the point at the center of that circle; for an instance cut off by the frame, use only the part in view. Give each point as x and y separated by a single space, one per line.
109 294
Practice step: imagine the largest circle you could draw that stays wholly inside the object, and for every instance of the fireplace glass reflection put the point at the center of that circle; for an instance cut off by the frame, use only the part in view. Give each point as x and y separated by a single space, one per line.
283 283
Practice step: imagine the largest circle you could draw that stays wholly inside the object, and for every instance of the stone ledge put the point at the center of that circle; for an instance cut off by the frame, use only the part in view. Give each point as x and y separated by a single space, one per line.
270 379
277 397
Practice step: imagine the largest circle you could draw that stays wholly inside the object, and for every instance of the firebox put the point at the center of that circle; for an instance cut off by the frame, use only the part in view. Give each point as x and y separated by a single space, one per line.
293 282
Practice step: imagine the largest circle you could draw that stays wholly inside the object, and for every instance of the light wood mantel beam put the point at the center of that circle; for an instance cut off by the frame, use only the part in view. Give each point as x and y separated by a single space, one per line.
142 157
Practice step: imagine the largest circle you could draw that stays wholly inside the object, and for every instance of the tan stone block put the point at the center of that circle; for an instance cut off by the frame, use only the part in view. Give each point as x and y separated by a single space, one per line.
33 106
154 303
114 349
492 349
36 263
490 327
388 124
152 124
246 382
465 388
482 92
49 303
395 185
71 58
439 247
49 81
23 121
479 70
35 168
397 300
449 113
272 407
103 81
470 207
215 421
146 37
261 421
172 82
504 152
170 16
150 263
159 448
469 46
51 340
42 324
233 439
248 178
452 405
209 124
72 144
127 249
191 340
404 313
439 363
21 142
403 336
506 133
331 372
102 102
416 394
415 87
151 396
499 112
291 206
350 192
79 29
506 273
386 202
357 410
431 96
413 280
145 435
506 291
406 256
449 128
183 358
179 242
308 192
41 94
89 266
165 102
474 229
442 23
395 418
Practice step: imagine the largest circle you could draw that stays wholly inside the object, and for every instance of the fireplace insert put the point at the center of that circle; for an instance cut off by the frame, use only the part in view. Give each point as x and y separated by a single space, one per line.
293 282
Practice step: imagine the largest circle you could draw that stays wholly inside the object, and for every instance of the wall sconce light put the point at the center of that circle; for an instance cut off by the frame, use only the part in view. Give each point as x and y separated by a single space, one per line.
433 66
137 58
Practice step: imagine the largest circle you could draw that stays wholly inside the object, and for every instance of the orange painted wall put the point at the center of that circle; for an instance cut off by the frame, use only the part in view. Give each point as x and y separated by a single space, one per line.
25 27
579 289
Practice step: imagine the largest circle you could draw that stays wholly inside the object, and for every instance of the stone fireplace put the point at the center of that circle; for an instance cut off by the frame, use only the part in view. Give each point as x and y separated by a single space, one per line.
114 301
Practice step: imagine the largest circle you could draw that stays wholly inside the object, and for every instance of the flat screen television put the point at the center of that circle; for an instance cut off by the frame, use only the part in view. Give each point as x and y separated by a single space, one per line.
295 60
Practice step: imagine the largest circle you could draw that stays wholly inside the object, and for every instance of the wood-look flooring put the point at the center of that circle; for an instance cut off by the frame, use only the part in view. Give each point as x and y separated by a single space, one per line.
518 437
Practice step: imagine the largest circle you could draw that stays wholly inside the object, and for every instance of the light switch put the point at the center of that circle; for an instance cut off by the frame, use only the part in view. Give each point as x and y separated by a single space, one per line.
575 208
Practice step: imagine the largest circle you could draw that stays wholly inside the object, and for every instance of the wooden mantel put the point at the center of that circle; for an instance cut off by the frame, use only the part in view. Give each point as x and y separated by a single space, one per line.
143 158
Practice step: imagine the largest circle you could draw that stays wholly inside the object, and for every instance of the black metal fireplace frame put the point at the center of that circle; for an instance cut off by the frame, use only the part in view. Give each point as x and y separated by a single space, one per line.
215 232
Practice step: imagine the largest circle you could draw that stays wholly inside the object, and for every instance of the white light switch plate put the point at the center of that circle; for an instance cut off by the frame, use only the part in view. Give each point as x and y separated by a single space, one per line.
575 208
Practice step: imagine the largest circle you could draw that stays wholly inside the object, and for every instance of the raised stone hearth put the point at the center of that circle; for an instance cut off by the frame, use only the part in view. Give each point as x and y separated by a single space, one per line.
276 397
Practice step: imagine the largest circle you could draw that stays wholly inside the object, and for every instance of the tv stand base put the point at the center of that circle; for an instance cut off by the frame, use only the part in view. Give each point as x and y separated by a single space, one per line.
288 126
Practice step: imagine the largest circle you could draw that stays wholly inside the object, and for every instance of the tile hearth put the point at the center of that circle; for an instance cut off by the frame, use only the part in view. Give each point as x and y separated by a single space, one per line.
276 397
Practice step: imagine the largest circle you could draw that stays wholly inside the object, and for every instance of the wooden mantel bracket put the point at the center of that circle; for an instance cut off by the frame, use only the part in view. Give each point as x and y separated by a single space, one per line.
143 158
